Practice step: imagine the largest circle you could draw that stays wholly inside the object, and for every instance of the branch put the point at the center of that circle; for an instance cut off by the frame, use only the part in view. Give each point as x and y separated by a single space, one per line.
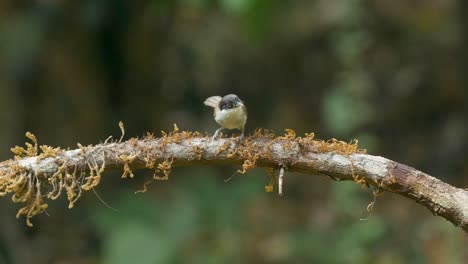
46 175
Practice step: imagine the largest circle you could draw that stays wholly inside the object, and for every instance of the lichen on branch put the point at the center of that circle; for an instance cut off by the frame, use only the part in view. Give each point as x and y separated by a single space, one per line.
41 173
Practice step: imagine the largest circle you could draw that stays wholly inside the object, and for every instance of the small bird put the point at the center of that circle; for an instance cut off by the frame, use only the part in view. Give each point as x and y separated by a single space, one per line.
229 111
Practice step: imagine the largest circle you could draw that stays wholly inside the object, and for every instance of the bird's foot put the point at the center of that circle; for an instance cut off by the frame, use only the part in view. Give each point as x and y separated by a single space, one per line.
216 133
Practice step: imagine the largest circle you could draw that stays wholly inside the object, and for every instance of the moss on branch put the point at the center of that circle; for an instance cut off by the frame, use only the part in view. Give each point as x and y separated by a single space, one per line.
41 173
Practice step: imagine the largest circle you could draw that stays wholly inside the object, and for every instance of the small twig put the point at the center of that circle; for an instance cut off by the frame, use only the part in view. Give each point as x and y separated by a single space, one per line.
230 177
107 139
280 180
122 129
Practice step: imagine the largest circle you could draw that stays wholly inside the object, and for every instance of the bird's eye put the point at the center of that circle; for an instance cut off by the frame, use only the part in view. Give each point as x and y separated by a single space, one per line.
229 105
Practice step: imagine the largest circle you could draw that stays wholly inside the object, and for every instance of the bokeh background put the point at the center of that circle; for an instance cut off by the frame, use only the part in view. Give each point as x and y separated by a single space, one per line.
391 73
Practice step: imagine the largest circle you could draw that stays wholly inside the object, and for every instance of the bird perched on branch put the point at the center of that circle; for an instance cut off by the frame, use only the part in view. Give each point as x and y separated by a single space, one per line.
229 112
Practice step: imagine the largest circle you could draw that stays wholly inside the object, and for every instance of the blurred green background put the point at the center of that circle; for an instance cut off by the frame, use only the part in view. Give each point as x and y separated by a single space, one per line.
392 73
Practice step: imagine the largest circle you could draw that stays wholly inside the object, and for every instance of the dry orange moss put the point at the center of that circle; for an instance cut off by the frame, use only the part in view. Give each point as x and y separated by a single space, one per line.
198 151
271 185
30 189
165 167
127 160
290 139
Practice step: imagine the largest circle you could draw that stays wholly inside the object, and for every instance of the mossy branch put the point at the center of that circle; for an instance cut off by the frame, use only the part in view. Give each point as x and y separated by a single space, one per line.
32 177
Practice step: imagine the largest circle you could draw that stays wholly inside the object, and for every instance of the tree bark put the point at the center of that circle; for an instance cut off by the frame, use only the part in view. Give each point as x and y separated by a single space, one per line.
336 159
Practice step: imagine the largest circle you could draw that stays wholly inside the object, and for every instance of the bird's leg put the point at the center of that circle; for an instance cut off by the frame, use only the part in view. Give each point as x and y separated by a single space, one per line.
216 133
242 134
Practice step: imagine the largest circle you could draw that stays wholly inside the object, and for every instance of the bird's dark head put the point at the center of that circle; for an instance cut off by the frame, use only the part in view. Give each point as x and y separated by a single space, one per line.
230 101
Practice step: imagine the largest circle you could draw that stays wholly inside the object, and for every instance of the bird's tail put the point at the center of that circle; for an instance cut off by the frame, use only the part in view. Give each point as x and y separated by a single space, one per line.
213 101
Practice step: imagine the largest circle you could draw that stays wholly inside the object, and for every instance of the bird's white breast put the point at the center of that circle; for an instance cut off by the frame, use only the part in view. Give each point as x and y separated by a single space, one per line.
231 118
